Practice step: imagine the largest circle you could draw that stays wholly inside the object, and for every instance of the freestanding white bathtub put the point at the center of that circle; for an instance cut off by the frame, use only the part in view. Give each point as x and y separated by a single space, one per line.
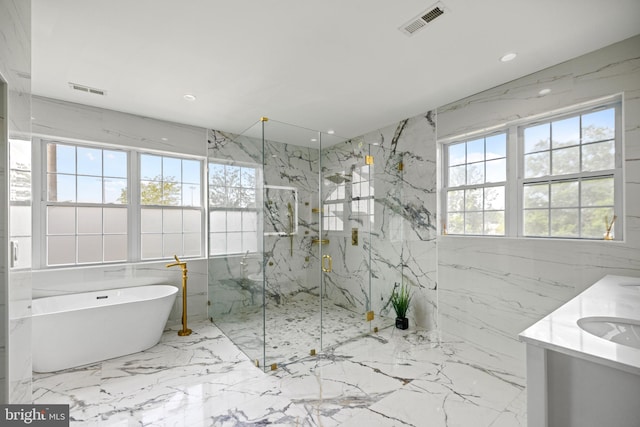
78 329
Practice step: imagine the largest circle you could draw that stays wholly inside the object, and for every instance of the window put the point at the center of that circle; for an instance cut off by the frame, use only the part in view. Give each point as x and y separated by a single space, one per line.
170 208
362 196
565 179
233 213
569 175
104 205
335 186
20 202
86 205
475 191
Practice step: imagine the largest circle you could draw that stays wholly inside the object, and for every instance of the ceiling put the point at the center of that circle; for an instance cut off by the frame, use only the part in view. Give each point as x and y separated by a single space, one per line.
332 64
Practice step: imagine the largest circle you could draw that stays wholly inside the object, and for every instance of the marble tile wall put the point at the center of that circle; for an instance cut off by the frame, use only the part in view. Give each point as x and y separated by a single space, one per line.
62 120
490 289
15 71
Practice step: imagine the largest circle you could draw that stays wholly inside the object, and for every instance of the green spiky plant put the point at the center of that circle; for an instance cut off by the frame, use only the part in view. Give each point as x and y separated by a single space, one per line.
400 299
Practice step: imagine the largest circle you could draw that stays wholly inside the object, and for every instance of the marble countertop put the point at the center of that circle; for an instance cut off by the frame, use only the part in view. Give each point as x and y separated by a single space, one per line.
611 296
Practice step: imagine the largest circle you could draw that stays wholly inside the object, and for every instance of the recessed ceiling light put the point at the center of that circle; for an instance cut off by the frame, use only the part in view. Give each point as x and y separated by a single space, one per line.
314 139
508 57
331 131
164 139
189 97
544 92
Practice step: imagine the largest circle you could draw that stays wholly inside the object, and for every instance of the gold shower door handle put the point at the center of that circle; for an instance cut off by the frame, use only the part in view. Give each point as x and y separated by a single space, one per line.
328 266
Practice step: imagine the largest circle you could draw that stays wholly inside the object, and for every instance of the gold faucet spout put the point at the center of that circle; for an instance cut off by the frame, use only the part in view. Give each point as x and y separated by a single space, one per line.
177 263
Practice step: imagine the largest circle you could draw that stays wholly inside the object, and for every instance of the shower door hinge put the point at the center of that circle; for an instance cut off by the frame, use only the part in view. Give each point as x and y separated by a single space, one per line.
370 316
368 160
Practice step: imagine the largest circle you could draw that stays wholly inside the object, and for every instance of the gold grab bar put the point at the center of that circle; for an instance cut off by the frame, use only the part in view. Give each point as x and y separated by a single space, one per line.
320 241
328 267
183 265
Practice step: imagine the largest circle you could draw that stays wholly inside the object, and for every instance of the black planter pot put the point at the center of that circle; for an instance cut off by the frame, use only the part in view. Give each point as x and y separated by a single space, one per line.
402 322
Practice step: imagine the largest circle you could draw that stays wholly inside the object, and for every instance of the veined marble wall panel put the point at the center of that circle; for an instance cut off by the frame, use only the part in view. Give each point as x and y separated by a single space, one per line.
490 289
15 297
61 119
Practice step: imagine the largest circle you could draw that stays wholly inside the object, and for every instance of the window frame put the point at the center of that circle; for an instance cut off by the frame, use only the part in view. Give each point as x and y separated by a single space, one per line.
133 205
515 181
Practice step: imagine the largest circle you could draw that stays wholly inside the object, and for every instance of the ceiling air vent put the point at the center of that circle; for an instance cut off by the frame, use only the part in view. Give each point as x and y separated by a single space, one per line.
422 19
87 89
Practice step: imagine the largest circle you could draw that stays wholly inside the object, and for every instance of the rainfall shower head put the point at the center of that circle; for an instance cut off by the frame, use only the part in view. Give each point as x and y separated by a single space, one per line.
338 178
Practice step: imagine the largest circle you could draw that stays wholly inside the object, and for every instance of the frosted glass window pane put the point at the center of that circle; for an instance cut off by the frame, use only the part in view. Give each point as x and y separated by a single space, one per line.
217 243
61 220
115 190
191 244
171 221
61 188
89 161
496 146
473 200
151 246
341 189
20 223
115 164
598 156
115 248
536 196
494 198
61 250
457 155
536 165
473 223
597 192
218 221
536 222
250 242
475 151
475 173
594 220
89 220
234 221
455 223
599 125
565 161
537 138
172 245
65 158
20 186
494 223
20 154
191 221
249 221
150 167
339 223
151 220
455 201
234 243
565 132
89 249
89 189
564 222
496 170
191 195
564 194
191 171
115 221
457 176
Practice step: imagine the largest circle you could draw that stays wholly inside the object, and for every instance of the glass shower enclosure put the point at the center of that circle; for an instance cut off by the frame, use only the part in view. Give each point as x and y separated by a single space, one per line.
291 221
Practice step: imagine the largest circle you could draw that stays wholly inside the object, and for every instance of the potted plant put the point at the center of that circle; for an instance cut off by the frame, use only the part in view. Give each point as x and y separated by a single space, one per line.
400 299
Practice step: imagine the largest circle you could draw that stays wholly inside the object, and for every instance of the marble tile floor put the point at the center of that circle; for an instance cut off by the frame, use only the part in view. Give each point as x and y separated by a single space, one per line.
293 327
392 378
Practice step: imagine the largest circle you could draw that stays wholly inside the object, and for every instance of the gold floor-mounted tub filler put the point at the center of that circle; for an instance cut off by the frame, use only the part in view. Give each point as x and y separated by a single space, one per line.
183 265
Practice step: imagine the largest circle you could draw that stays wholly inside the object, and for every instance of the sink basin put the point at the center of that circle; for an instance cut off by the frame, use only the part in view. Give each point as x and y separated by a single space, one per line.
615 329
